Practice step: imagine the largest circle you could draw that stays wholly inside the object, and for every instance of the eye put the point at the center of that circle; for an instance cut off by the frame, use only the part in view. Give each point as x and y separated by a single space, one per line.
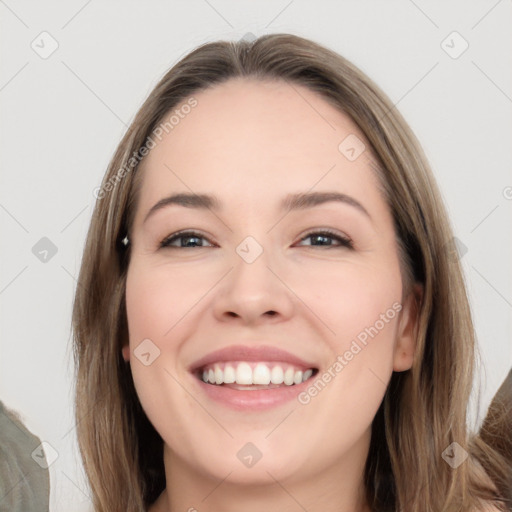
188 239
325 237
192 239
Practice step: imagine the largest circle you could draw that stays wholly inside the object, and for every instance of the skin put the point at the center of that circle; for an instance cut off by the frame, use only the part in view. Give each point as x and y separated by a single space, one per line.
251 143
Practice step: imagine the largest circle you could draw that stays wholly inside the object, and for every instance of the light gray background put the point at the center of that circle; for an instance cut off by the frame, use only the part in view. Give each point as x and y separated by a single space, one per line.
63 116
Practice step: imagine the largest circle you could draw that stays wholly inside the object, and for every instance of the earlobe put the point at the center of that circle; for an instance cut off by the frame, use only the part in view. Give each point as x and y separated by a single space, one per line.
126 352
405 346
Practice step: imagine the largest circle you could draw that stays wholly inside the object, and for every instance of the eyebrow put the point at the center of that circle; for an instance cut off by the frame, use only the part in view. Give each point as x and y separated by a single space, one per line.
301 201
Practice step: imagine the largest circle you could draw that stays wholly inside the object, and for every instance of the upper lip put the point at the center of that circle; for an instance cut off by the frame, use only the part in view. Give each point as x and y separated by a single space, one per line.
250 353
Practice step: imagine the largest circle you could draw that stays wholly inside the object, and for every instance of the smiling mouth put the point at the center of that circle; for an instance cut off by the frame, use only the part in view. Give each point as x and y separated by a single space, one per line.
251 376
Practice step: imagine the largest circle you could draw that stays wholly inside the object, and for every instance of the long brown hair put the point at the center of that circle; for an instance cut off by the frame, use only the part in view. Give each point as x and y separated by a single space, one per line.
424 409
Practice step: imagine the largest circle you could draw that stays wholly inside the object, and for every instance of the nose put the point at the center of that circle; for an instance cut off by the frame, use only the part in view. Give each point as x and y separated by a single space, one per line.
253 293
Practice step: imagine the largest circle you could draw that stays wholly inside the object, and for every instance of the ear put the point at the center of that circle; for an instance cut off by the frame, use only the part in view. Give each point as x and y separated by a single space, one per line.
405 346
126 352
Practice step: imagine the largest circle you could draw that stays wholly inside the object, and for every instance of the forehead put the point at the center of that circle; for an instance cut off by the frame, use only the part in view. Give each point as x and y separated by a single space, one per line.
254 136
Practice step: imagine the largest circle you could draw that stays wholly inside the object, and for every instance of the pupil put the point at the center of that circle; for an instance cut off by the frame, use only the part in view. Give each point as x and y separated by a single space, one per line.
188 243
324 239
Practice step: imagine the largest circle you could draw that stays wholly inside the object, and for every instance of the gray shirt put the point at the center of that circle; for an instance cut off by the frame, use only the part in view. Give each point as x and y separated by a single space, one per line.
24 479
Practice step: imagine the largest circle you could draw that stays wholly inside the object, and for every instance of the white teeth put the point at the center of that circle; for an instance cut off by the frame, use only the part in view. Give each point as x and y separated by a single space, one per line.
307 375
219 377
261 374
288 376
229 374
243 373
277 375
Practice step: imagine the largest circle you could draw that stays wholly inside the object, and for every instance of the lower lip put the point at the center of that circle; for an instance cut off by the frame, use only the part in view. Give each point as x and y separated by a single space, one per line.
255 400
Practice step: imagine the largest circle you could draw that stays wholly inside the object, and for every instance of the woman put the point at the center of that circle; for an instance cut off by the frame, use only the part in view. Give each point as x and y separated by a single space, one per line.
269 311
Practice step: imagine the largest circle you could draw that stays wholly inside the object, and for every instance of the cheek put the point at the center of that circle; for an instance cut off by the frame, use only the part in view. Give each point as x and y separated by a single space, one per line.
351 296
154 306
157 299
361 307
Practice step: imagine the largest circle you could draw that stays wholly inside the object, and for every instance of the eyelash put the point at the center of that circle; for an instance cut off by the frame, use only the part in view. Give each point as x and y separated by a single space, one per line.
345 241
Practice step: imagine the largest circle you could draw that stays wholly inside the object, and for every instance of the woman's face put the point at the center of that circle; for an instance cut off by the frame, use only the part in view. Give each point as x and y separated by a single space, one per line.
260 291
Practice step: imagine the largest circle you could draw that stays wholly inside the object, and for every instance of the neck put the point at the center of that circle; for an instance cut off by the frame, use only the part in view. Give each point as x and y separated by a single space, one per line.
338 488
